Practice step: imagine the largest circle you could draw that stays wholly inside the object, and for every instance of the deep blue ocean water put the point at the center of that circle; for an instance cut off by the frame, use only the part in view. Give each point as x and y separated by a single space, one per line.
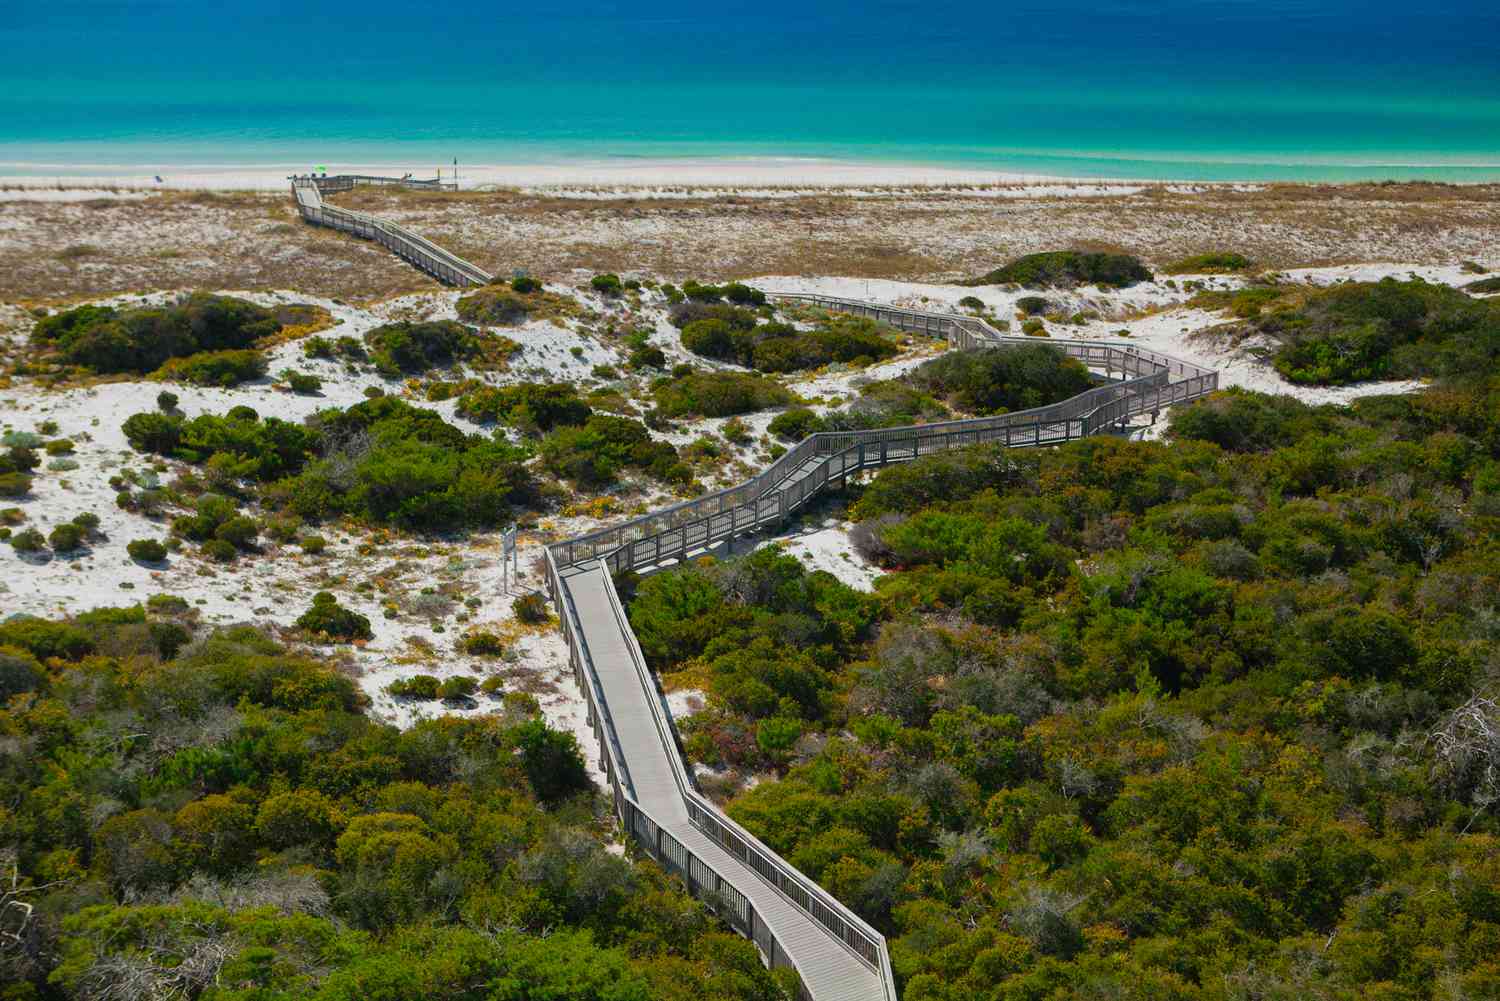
1241 89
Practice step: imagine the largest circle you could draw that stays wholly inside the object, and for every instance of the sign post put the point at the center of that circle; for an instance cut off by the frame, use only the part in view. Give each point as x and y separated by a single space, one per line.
507 554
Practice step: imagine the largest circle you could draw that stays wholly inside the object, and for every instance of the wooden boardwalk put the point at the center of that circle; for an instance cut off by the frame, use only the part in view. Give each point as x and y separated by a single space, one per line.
794 922
450 269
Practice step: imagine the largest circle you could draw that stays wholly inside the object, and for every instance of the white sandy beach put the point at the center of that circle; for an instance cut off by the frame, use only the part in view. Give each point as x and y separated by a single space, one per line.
782 175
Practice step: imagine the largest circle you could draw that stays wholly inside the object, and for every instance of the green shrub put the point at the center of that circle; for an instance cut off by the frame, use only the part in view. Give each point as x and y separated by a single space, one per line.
493 306
58 446
408 348
14 484
65 538
166 401
593 454
328 618
220 550
1034 327
253 448
422 687
1377 330
531 407
482 644
1212 263
702 293
744 295
794 424
648 356
530 608
147 550
88 521
1067 268
216 368
312 544
1484 285
606 284
687 313
673 294
719 394
457 688
525 284
139 340
317 347
995 380
972 302
301 382
407 467
1033 305
28 540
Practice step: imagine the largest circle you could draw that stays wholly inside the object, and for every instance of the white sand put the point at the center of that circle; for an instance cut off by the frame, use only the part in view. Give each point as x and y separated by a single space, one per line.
598 175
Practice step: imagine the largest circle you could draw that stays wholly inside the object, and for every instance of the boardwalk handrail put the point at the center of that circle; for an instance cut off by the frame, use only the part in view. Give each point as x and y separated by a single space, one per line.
703 879
1155 381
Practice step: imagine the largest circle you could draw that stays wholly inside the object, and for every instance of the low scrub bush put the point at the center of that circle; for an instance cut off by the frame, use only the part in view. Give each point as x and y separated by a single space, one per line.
457 688
422 687
532 407
482 644
719 394
1217 262
216 368
147 550
1379 330
28 540
593 454
606 284
493 306
328 618
65 537
301 382
995 380
142 339
1067 269
530 609
410 348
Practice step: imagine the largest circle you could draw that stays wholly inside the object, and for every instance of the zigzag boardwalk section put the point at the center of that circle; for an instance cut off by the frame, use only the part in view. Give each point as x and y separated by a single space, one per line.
794 922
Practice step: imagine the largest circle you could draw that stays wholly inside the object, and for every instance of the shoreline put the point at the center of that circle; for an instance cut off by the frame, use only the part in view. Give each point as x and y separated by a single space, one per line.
772 175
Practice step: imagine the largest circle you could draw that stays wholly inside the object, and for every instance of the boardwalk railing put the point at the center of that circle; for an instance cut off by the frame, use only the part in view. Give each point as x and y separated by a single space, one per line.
1152 382
420 252
702 878
347 182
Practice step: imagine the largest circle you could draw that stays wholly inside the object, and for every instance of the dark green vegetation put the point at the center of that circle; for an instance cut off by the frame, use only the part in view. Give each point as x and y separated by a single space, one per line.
718 394
1213 263
214 818
996 380
532 407
592 454
143 339
407 348
1068 268
327 619
1381 330
1484 285
730 333
1209 719
383 461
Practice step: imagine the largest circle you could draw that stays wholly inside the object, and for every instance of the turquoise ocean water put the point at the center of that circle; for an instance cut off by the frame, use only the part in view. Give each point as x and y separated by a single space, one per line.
1236 89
